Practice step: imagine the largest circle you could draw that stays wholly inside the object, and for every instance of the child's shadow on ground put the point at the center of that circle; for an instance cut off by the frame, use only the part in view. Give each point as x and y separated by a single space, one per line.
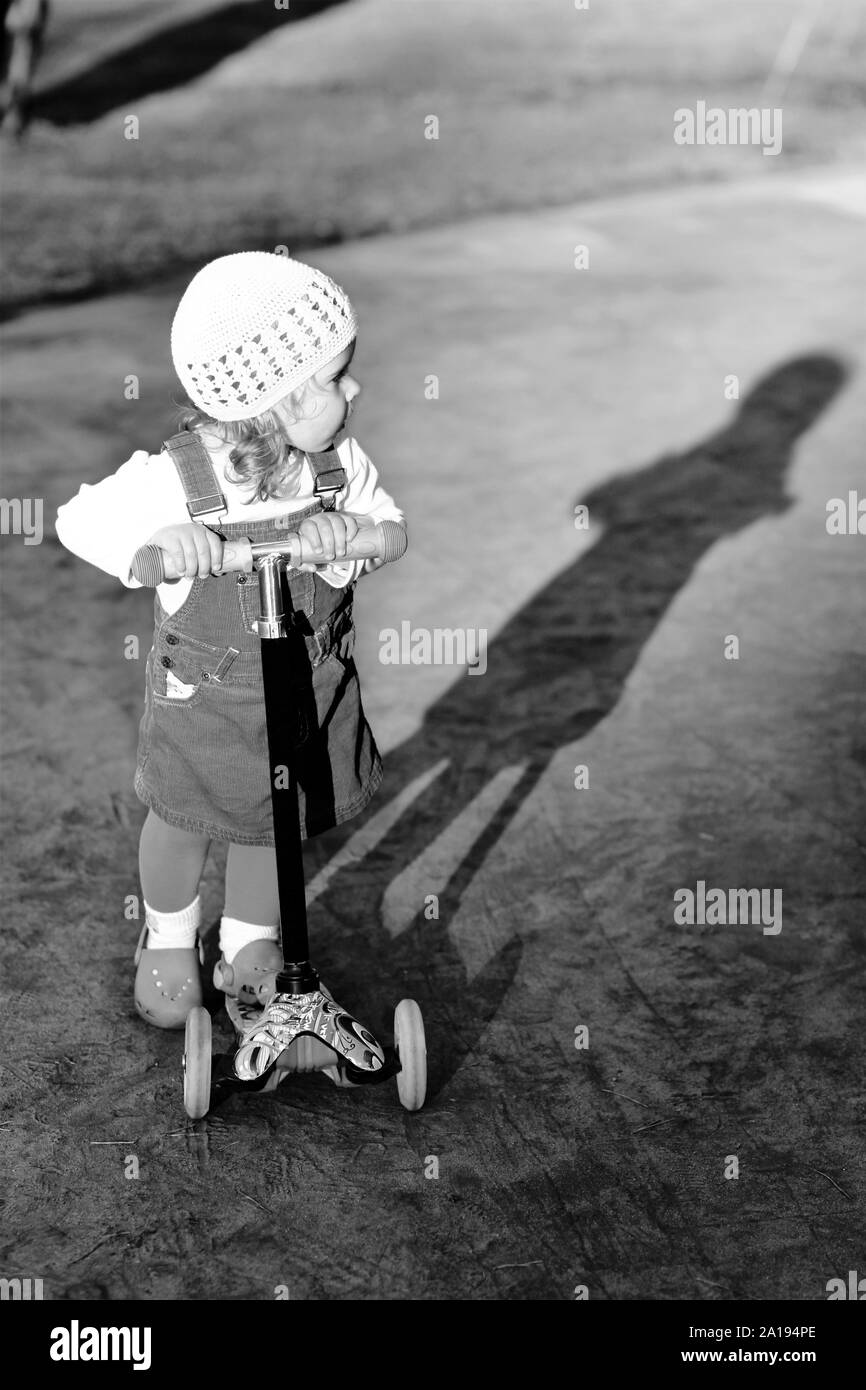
554 671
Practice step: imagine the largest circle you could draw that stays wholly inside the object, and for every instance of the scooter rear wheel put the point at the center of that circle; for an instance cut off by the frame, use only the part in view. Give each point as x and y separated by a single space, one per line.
197 1064
411 1048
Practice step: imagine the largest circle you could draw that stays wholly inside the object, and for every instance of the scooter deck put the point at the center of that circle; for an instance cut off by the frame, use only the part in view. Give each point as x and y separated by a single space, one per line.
305 1053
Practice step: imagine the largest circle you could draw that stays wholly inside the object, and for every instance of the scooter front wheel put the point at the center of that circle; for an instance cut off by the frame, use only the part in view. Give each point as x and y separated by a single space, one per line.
197 1064
411 1048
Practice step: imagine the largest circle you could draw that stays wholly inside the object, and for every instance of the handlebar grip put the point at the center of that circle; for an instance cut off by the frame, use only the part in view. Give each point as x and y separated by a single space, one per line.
385 541
148 566
392 540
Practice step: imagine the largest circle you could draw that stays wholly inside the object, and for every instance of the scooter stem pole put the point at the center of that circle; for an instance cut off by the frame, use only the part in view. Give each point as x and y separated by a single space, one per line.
284 665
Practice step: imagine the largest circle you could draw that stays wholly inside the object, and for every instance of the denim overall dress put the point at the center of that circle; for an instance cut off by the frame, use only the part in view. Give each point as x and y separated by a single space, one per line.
203 760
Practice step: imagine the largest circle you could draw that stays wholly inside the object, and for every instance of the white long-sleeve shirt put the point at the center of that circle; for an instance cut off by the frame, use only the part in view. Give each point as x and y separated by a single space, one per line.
106 523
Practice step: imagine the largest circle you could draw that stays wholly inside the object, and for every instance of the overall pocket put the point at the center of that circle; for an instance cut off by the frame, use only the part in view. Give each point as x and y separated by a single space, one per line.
181 666
344 646
172 691
335 638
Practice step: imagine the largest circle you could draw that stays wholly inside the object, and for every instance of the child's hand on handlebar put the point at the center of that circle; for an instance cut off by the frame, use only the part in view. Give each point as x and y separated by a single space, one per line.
328 534
192 549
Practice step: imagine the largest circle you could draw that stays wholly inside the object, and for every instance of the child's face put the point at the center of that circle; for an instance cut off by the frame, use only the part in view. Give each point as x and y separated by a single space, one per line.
327 405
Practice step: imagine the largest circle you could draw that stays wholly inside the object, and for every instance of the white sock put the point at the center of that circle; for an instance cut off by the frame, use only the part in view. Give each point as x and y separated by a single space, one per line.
235 934
170 931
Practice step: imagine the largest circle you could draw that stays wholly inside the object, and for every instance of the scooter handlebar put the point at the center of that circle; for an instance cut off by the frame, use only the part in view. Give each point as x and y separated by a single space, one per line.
383 540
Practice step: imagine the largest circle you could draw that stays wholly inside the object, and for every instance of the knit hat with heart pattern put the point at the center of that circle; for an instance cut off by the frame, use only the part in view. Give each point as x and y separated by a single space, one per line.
252 326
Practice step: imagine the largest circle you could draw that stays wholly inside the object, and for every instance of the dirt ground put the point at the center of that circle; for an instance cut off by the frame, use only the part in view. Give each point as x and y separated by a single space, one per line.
557 1165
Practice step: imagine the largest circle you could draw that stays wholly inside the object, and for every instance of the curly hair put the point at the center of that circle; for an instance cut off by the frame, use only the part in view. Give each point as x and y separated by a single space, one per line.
262 455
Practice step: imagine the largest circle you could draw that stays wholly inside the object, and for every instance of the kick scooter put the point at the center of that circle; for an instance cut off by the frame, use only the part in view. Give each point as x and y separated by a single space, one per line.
292 1024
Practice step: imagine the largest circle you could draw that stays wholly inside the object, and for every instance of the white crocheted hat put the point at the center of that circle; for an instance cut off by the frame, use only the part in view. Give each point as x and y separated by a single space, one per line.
254 325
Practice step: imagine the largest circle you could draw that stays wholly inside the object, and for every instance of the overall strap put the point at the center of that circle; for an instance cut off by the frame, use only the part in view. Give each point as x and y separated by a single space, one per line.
330 476
204 500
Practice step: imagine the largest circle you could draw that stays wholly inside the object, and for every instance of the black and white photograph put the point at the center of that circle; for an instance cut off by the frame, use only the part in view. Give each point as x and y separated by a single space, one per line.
433 671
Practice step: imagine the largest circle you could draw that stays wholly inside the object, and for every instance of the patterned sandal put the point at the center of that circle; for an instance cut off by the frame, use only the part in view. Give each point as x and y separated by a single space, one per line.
167 982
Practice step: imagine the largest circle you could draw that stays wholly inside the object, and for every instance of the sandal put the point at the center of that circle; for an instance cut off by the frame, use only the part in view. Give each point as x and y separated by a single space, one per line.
252 975
167 982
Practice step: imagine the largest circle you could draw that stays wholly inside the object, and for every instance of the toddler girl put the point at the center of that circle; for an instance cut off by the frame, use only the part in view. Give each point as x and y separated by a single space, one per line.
263 346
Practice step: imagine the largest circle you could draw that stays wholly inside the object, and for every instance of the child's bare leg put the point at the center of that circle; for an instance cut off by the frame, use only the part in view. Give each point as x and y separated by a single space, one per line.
251 885
249 929
167 982
170 863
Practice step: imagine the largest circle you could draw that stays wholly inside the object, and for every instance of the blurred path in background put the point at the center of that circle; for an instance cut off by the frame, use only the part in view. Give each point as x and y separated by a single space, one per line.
156 60
322 131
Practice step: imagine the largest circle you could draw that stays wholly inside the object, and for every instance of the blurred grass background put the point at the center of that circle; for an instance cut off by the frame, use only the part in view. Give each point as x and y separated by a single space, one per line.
314 131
